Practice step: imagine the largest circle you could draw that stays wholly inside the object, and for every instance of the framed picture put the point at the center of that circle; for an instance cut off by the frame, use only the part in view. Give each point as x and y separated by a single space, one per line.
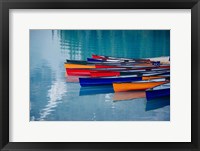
99 75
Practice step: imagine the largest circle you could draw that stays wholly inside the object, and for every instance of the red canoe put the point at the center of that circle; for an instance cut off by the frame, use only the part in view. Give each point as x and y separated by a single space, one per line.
127 72
98 57
104 74
87 71
77 72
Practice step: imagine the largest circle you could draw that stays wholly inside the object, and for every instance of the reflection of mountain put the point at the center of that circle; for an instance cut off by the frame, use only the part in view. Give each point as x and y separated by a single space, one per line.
79 44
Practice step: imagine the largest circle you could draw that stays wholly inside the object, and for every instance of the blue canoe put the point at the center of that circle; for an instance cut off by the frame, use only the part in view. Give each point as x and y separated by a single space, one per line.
94 60
107 80
158 91
108 61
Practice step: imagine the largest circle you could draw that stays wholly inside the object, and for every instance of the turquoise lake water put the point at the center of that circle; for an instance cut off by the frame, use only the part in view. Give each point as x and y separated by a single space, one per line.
53 98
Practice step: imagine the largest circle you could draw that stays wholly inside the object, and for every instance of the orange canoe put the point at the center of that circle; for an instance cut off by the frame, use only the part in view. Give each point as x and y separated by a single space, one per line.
78 66
137 85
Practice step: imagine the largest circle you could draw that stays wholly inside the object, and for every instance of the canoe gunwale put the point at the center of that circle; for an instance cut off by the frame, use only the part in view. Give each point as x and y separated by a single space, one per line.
153 88
143 81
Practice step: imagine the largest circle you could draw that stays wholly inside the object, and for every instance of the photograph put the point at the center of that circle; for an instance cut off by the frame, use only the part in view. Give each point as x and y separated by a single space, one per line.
99 74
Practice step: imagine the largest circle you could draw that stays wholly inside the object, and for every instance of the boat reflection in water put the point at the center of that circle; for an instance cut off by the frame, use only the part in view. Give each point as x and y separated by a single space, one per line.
157 103
129 95
73 79
96 90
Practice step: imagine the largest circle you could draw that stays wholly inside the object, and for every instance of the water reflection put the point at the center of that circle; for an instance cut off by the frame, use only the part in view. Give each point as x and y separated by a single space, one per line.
93 90
121 96
72 79
157 103
55 94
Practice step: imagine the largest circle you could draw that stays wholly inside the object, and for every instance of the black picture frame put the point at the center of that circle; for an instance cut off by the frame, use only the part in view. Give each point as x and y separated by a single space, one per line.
5 5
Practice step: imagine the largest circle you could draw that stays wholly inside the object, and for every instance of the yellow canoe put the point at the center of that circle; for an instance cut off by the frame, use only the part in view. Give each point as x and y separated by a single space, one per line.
78 66
135 86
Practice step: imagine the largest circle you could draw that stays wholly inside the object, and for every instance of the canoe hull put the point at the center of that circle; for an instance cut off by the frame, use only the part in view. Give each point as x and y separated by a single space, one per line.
78 72
106 81
115 58
157 93
110 74
152 77
87 71
78 66
120 87
104 74
94 60
98 57
82 62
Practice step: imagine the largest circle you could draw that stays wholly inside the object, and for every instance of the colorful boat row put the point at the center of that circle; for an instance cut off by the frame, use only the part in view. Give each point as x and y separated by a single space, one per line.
111 71
150 94
85 64
123 74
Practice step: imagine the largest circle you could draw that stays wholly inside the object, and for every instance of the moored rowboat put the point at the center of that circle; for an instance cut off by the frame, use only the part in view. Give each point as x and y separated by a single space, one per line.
111 60
78 66
163 60
155 77
121 59
128 72
94 60
104 74
101 72
158 91
113 65
83 62
107 80
138 85
141 66
87 71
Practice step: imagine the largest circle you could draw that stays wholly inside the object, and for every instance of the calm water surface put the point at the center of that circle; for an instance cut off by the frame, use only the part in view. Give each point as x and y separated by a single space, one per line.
53 98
